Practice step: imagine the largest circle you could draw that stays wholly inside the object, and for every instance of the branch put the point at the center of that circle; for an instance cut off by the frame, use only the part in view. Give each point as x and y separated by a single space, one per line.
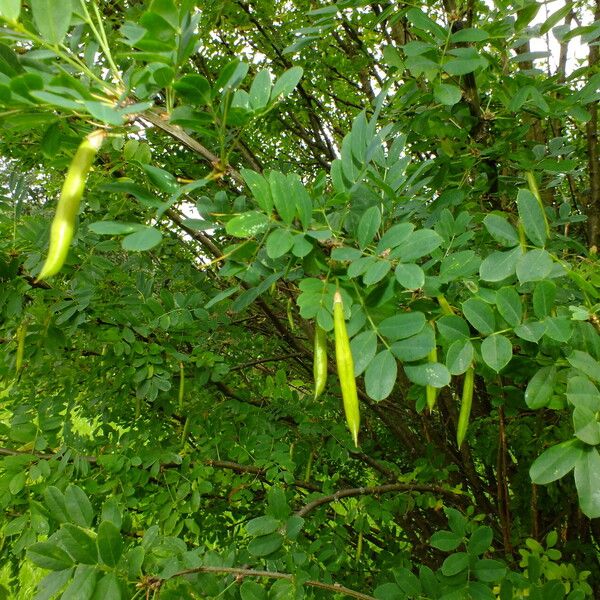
240 572
216 464
260 361
158 120
379 489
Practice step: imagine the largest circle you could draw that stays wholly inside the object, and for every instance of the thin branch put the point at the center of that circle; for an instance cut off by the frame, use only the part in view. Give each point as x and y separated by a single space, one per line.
376 490
216 464
241 572
158 120
261 361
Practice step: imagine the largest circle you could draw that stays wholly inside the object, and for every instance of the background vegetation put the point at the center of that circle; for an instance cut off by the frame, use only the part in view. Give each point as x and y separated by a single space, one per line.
159 433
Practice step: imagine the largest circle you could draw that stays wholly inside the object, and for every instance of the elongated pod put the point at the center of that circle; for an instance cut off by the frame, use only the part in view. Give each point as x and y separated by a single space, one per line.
320 360
345 368
465 406
431 392
61 231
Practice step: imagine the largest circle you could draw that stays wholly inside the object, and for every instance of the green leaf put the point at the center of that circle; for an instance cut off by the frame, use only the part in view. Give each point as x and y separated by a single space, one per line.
508 303
380 376
499 265
496 351
434 374
279 242
455 563
287 82
52 18
388 591
422 21
78 506
558 328
49 556
447 94
410 276
281 197
113 227
586 426
452 328
459 356
555 17
532 331
107 587
260 90
418 244
163 180
301 199
446 541
78 543
83 584
260 189
363 348
470 34
265 544
587 481
462 66
581 392
247 225
262 526
194 88
556 462
55 503
415 347
250 590
10 9
585 363
52 584
103 112
532 217
368 226
402 326
501 230
110 543
540 388
377 272
534 265
480 541
480 315
489 570
394 236
142 240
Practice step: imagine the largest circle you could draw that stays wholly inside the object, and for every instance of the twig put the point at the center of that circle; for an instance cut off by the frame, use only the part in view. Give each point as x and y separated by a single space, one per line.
379 489
240 572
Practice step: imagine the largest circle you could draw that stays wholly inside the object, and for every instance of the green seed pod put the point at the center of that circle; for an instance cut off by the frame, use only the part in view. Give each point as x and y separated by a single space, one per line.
465 406
431 392
345 368
61 231
320 361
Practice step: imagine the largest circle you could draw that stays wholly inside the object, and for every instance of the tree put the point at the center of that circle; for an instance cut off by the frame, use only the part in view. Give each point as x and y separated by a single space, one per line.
160 436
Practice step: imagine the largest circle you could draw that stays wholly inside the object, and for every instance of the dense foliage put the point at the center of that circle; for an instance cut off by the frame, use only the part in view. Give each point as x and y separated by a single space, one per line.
159 433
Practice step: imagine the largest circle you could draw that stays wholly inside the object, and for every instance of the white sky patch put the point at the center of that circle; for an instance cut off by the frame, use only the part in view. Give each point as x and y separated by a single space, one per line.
577 52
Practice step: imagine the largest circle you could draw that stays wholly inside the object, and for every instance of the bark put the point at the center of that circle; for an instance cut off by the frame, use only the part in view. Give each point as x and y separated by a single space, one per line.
592 208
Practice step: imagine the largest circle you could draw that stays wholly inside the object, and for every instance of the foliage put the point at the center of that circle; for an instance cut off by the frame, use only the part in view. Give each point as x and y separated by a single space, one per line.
160 436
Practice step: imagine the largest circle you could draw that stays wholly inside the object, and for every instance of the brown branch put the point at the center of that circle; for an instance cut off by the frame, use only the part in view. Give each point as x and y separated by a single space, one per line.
158 120
261 361
593 204
241 572
217 464
376 490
